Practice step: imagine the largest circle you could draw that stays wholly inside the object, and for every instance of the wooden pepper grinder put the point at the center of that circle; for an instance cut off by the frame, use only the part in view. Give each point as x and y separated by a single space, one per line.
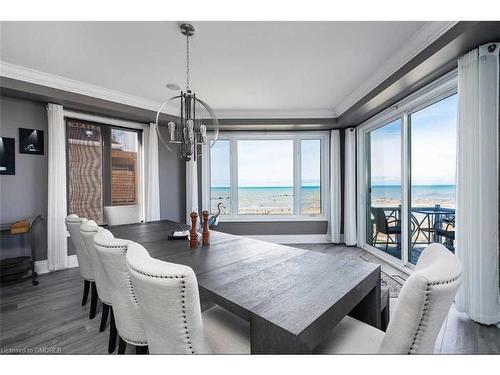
193 234
206 233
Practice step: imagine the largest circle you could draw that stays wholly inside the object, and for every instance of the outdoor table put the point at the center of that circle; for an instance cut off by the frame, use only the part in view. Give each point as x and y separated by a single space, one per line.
431 216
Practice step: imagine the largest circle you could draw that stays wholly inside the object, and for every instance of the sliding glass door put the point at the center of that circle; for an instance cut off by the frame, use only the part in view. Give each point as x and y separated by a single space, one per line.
407 160
432 174
102 168
383 206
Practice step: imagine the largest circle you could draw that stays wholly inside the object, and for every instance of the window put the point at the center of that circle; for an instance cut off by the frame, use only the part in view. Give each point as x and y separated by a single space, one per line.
384 188
102 166
275 176
433 138
407 158
310 187
124 174
265 177
220 188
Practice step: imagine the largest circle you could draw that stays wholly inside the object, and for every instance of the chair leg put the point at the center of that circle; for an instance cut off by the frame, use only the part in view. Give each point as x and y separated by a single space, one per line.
112 332
386 314
122 345
86 288
141 350
93 301
104 317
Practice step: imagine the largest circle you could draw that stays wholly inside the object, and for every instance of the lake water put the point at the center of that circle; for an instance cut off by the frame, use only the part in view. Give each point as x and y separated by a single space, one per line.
422 195
264 200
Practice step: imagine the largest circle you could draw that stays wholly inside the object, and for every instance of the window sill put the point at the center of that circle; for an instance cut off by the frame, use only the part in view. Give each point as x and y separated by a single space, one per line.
251 219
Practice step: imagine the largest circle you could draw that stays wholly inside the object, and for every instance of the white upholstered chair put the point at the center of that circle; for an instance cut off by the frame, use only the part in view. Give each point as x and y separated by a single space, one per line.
73 223
170 304
421 308
128 319
88 230
118 215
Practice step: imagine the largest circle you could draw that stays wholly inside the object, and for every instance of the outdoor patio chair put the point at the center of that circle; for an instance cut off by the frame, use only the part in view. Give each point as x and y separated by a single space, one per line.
445 228
388 225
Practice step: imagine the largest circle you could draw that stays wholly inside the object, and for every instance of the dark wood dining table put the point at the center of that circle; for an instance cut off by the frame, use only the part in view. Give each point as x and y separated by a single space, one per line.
292 297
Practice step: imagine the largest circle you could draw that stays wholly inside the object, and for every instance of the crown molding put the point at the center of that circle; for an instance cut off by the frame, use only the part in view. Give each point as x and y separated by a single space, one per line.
424 37
269 114
37 77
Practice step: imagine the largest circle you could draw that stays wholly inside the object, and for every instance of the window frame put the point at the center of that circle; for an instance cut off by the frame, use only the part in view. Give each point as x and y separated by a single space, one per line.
297 137
434 92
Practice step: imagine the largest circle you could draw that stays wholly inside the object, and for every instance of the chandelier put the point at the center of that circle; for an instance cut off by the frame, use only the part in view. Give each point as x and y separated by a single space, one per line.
189 133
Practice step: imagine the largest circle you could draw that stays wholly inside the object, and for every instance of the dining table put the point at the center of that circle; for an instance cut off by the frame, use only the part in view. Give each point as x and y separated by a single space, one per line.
291 297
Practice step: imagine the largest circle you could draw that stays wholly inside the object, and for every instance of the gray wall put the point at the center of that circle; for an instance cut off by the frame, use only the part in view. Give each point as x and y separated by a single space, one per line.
24 194
274 227
172 185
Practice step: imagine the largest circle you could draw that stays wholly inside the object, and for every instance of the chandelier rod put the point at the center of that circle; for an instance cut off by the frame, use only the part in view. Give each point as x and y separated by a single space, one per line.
187 62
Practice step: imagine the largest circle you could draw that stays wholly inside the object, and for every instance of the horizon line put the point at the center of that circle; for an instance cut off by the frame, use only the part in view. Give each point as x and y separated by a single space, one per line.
274 187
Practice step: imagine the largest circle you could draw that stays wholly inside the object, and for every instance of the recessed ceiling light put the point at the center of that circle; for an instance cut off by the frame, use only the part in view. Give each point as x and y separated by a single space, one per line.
173 86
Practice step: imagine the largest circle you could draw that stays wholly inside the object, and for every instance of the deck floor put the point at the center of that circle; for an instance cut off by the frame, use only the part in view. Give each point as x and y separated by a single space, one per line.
49 318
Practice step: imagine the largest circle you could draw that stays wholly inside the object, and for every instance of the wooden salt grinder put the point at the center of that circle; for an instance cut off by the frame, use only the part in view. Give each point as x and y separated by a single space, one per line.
206 233
193 234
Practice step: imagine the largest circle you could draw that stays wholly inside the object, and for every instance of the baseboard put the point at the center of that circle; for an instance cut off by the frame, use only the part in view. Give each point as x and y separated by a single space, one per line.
292 238
42 266
72 261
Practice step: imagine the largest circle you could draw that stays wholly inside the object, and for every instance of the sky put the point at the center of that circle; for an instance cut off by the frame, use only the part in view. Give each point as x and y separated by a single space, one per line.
219 164
266 163
433 146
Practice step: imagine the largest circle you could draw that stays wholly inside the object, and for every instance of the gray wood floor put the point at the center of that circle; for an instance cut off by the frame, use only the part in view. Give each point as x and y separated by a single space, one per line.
49 319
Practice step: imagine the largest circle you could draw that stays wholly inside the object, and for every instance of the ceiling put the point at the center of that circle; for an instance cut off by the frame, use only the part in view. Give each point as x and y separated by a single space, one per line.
242 69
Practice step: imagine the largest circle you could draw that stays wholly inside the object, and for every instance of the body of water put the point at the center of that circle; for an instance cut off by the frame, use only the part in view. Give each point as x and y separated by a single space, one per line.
422 195
265 200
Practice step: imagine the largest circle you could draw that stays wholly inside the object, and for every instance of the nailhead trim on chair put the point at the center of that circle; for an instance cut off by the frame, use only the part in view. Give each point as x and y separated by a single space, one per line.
137 343
75 221
446 281
109 247
183 299
425 309
89 231
131 290
131 286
